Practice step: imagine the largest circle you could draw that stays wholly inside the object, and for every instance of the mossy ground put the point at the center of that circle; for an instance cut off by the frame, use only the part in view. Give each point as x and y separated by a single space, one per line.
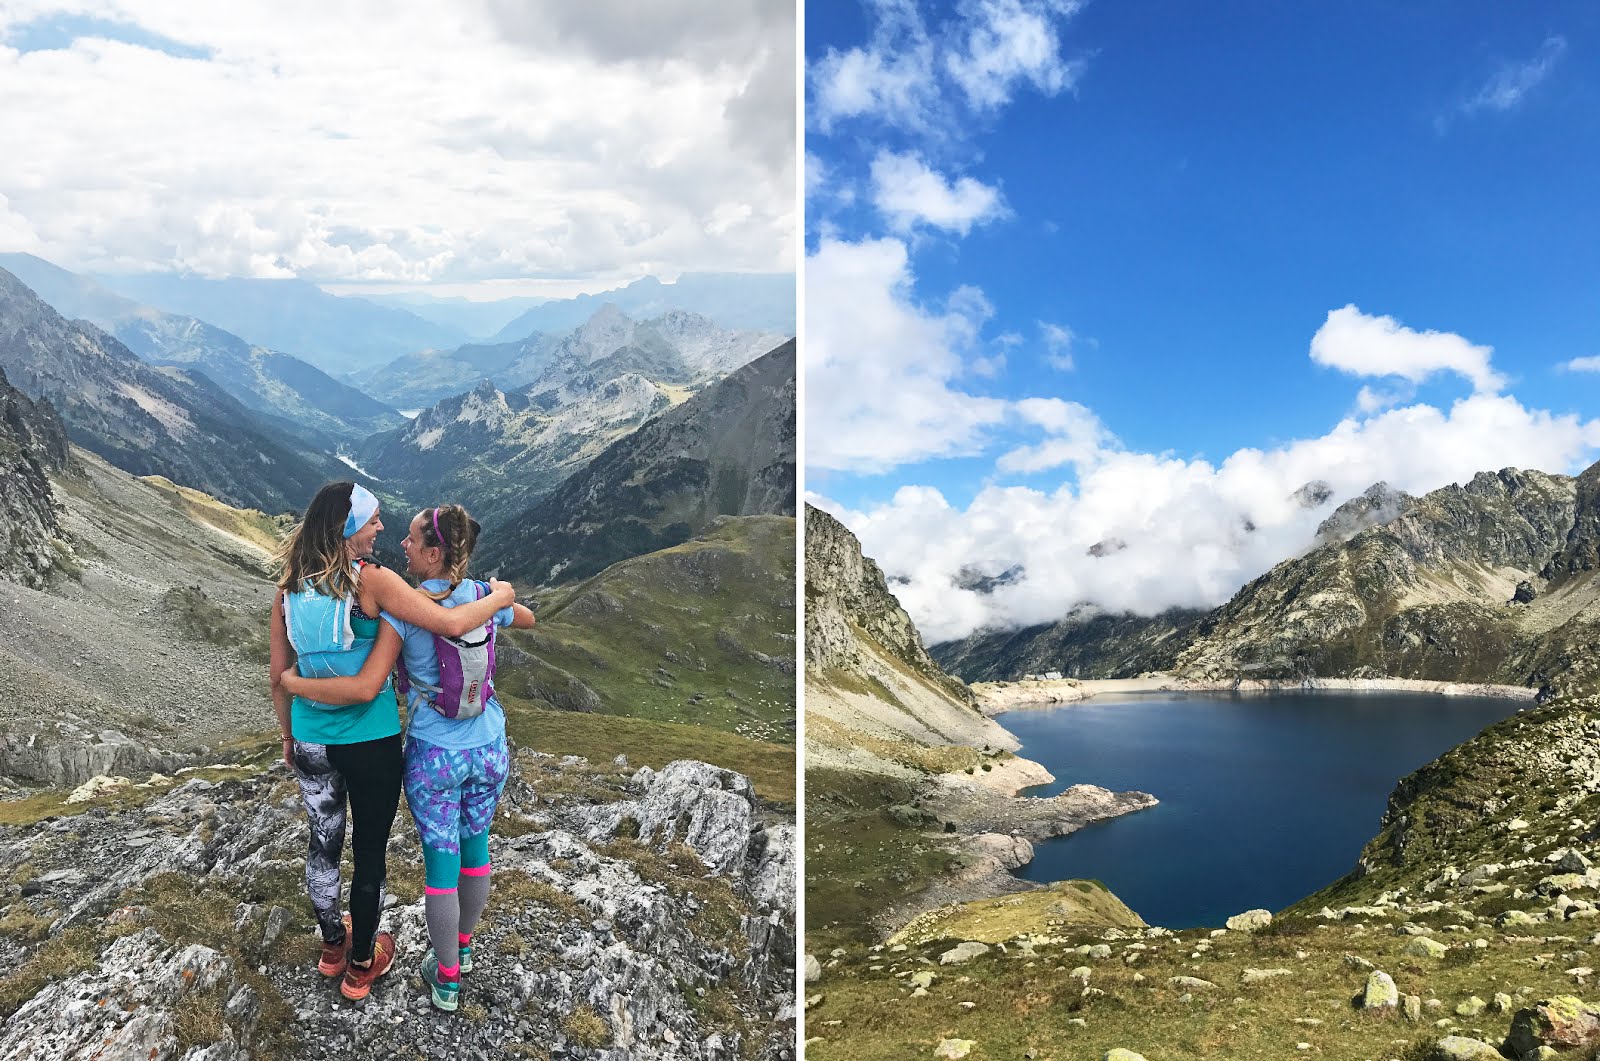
1025 1001
862 858
647 742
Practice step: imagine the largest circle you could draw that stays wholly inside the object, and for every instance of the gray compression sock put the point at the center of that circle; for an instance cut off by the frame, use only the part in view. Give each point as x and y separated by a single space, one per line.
444 920
474 892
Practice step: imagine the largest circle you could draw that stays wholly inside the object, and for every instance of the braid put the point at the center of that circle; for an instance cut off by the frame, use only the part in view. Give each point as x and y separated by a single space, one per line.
457 535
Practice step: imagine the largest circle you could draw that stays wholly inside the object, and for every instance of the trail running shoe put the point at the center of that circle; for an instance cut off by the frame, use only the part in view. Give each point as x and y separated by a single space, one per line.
335 955
466 958
444 994
357 982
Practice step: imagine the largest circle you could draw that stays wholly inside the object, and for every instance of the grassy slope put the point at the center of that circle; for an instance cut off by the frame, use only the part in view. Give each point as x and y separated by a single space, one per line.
677 635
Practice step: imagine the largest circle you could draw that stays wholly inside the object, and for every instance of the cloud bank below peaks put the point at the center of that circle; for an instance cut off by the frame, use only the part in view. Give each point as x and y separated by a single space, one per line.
1144 532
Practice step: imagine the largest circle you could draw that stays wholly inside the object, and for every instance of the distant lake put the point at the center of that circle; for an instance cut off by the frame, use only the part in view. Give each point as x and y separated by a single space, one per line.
1265 797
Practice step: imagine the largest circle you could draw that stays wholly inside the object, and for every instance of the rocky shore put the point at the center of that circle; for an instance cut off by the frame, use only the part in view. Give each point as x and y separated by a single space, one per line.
995 698
991 830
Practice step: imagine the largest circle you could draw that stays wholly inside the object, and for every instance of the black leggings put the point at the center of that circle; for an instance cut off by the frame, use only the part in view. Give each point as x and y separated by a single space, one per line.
367 775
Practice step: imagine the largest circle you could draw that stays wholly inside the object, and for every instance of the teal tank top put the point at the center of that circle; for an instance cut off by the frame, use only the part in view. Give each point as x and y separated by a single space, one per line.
332 638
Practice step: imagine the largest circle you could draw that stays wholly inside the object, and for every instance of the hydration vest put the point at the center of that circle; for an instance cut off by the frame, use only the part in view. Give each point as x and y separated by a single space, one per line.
466 671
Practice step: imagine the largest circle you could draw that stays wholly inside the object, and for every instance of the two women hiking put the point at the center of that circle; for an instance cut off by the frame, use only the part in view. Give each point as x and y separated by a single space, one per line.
340 624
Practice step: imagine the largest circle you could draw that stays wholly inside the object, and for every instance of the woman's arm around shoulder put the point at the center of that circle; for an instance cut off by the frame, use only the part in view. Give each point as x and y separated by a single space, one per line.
521 617
359 687
396 596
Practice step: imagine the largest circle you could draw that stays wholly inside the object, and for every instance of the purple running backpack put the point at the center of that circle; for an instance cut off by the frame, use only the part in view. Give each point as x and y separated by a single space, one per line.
466 671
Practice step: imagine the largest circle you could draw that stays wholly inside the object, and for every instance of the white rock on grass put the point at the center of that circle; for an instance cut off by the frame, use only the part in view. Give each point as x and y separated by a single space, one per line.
954 1048
1460 1048
813 969
1380 992
1250 921
963 952
1119 1054
1423 947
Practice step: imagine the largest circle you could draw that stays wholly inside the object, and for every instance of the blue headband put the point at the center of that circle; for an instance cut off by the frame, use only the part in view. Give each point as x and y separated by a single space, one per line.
362 508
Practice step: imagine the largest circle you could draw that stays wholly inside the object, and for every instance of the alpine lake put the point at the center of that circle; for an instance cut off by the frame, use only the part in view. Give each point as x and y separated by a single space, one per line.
1265 797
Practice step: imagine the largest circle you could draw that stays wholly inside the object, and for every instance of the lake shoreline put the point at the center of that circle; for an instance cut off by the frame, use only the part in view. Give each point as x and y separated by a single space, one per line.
997 698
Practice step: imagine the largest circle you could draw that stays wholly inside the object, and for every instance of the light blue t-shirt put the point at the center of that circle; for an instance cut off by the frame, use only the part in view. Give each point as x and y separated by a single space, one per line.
422 664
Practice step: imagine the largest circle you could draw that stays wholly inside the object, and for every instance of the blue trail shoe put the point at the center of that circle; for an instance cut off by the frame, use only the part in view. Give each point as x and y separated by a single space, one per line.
444 994
466 959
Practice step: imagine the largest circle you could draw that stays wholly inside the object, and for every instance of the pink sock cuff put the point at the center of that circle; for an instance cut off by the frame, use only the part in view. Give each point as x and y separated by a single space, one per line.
450 972
428 889
463 939
475 871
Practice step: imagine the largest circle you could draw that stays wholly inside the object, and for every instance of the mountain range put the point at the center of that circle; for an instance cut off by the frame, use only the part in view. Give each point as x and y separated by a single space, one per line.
337 334
278 385
148 419
727 451
500 451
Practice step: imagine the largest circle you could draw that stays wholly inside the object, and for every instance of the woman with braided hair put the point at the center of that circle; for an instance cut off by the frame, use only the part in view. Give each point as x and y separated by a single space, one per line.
456 759
346 754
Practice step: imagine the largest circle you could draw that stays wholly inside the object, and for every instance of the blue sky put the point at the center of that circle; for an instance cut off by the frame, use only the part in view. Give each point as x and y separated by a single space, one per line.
1190 190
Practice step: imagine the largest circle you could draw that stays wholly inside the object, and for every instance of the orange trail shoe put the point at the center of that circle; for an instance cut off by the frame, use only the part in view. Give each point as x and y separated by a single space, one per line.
357 982
335 955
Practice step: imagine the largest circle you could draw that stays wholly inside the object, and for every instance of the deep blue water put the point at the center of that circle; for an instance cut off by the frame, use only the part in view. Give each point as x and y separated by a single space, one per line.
1265 798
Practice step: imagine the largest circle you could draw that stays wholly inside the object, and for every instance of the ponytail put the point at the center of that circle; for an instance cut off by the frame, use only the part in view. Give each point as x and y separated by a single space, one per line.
449 529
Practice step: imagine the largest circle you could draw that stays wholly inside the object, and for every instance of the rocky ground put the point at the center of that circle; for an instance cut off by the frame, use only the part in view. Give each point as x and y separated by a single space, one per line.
1404 978
148 647
635 912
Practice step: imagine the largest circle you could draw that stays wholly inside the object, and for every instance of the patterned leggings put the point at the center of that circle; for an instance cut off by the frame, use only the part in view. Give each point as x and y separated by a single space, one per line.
452 795
367 777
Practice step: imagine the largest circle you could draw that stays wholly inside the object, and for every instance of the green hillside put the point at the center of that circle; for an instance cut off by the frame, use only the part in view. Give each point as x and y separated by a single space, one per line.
700 633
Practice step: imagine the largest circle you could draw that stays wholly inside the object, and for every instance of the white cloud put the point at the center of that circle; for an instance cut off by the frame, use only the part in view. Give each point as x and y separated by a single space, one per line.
1058 342
1581 364
908 193
1006 42
892 79
1194 532
415 144
914 77
1074 435
1507 87
1362 345
880 369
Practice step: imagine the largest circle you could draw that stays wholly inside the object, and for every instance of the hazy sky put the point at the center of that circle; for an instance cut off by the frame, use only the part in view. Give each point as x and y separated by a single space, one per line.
1129 275
446 143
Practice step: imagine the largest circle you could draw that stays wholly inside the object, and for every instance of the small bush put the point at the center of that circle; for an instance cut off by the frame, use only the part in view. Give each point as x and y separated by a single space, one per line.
587 1028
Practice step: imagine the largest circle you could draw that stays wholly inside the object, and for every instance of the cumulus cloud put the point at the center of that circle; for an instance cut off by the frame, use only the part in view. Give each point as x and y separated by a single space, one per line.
882 370
891 79
1362 345
1194 531
414 145
913 76
1007 42
1582 364
909 193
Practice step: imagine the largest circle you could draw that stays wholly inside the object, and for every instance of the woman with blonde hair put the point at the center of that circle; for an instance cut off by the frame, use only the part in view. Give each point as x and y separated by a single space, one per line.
347 756
456 757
